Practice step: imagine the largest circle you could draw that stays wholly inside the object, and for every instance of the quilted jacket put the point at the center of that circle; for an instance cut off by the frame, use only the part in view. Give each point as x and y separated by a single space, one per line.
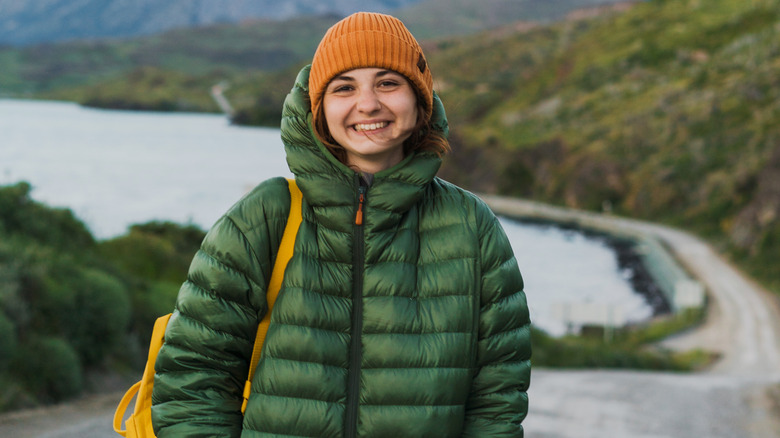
413 324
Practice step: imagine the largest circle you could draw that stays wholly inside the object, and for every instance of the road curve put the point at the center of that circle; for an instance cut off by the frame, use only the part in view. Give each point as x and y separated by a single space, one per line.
736 398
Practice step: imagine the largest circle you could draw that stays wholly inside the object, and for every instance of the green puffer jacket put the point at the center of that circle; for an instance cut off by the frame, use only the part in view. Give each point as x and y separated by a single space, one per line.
411 325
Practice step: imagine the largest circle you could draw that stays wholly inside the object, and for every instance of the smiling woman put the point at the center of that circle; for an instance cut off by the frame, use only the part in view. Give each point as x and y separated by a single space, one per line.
401 312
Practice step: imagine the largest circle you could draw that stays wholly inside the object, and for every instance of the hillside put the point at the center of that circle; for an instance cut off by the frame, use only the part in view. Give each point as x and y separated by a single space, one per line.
431 19
668 111
219 50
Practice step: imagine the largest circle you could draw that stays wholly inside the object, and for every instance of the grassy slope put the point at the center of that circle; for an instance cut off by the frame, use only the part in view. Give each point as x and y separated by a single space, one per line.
669 112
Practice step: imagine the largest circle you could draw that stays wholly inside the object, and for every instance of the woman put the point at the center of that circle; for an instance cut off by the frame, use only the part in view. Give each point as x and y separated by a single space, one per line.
401 313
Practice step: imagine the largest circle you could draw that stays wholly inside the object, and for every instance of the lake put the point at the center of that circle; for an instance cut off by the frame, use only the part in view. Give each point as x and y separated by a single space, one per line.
117 168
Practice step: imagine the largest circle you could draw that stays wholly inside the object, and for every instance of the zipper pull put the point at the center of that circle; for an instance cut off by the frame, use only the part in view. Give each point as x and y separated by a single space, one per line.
359 214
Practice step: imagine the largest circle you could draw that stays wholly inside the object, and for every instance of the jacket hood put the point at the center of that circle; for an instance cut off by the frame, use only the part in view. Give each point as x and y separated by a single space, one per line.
326 182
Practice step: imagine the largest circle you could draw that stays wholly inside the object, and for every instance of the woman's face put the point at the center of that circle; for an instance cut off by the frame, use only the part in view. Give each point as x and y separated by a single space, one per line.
370 112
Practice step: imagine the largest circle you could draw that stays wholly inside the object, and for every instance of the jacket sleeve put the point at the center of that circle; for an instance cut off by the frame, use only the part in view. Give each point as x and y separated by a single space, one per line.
498 399
203 364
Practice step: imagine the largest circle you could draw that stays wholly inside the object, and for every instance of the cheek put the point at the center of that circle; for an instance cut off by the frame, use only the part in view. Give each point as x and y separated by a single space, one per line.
411 113
332 115
409 107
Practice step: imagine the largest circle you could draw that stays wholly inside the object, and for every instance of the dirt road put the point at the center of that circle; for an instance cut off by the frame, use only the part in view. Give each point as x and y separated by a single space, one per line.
733 399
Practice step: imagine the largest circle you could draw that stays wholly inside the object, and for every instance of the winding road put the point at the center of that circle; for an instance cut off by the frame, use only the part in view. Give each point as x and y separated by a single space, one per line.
739 397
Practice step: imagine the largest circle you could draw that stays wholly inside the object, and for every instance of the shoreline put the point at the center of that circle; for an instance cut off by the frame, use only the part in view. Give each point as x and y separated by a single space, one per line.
656 271
629 259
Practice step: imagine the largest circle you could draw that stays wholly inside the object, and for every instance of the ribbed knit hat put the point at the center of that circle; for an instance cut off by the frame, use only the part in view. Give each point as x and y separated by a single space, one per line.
367 39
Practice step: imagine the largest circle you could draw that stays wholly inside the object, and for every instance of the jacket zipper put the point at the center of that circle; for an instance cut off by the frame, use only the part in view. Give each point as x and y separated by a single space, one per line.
355 353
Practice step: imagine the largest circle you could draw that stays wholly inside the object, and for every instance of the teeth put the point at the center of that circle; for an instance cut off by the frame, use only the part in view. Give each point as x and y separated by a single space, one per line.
370 126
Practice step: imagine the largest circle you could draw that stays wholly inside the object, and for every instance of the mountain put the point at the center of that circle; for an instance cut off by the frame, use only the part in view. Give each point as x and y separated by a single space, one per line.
24 22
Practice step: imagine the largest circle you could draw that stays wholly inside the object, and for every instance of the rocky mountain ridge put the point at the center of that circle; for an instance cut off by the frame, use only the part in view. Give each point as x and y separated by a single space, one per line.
27 22
24 22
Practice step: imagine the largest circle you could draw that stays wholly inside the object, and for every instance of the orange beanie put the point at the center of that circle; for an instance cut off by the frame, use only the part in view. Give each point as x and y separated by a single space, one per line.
367 39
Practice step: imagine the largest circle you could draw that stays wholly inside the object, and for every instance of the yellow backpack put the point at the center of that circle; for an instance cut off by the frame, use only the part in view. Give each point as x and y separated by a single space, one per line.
139 424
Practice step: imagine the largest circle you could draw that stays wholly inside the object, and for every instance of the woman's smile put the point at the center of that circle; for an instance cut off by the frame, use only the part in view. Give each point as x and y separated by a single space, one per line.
363 127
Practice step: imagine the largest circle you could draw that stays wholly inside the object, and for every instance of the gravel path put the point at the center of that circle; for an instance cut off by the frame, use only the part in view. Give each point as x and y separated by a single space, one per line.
734 399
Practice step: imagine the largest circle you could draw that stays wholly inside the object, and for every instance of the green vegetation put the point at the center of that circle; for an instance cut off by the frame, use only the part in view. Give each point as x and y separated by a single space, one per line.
434 19
221 52
162 91
667 112
70 306
633 347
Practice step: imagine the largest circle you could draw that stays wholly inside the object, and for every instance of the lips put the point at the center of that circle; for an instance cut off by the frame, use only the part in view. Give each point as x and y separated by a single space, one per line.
360 127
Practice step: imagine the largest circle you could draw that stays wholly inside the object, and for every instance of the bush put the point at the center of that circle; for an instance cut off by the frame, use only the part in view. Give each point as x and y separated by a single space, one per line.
155 250
56 227
103 309
89 308
7 341
49 368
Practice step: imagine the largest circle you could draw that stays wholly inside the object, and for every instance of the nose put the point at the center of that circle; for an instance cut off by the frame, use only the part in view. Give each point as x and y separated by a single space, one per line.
368 101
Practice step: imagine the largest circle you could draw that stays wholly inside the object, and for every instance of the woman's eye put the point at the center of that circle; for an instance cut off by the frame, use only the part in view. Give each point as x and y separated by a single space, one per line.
341 89
388 84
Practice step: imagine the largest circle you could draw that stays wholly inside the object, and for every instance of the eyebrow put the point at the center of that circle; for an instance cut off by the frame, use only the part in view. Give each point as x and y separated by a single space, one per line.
350 78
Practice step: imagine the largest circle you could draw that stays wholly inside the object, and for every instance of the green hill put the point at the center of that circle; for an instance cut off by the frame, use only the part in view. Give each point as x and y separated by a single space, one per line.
668 111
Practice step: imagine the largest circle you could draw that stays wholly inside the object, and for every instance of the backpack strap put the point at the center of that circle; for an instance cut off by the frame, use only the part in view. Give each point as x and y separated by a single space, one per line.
282 257
141 420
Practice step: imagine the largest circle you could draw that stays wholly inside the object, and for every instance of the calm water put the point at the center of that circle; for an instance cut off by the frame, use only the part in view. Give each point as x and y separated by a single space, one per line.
116 168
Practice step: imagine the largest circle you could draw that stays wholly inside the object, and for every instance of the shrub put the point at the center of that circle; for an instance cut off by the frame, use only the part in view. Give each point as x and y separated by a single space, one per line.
49 368
88 307
103 309
56 227
155 250
7 341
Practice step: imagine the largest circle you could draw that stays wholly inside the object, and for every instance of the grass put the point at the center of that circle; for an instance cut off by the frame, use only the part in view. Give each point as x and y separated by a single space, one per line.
634 347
